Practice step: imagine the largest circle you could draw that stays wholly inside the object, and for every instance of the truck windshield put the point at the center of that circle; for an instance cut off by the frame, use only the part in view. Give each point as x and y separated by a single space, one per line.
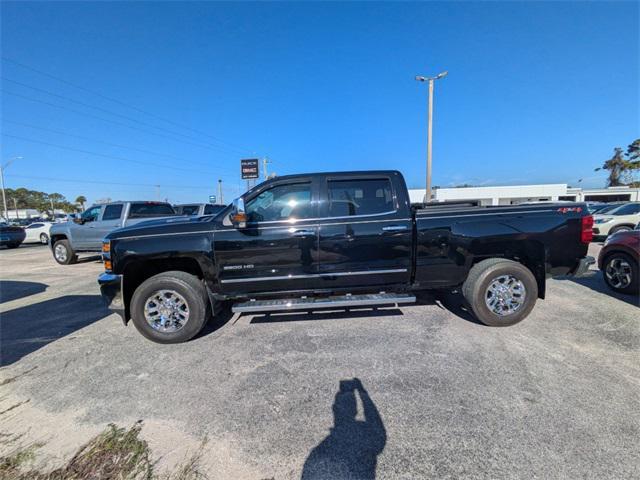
150 209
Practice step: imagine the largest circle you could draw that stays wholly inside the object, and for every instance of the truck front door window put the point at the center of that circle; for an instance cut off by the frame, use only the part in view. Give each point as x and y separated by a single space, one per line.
92 214
282 202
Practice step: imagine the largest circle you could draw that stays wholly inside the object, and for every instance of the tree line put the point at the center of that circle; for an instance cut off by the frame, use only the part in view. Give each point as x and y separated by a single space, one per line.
23 198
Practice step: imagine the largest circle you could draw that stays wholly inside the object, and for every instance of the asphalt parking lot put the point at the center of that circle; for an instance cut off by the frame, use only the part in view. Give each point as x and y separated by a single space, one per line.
437 395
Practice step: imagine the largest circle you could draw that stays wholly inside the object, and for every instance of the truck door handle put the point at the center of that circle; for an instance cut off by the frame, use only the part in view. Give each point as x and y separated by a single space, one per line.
395 228
303 233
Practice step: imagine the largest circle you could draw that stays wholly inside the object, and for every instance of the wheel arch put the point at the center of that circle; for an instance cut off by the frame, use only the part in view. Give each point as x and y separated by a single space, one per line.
137 270
530 253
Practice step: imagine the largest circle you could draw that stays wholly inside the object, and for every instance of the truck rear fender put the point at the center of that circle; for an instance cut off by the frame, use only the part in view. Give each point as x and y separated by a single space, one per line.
530 253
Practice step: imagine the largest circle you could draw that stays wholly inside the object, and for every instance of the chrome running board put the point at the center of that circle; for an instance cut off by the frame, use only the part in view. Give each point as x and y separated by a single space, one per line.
312 303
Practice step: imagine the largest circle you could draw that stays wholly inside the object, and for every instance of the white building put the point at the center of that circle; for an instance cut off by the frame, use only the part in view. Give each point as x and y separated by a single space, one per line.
514 194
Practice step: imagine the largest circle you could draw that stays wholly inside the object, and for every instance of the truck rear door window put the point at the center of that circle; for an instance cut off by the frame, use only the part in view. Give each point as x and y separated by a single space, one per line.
281 202
149 209
348 198
112 212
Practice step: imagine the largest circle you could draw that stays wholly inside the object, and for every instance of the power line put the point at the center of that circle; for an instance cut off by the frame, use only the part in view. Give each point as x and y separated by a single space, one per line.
67 180
64 147
60 132
111 112
79 112
119 102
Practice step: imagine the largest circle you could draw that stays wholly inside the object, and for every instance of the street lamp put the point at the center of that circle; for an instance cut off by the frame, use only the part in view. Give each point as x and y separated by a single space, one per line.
4 198
431 80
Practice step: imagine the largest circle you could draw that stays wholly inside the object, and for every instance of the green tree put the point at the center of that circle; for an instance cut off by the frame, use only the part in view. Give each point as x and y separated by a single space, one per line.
81 199
622 166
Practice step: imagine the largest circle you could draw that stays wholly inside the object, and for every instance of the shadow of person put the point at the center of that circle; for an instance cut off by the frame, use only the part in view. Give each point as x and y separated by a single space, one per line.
351 449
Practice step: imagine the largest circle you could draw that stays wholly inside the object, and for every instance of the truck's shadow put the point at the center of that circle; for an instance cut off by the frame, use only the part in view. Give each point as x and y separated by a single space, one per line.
12 289
27 329
335 314
352 447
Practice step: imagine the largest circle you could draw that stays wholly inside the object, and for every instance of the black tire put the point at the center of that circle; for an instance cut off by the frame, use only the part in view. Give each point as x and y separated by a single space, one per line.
13 245
482 275
634 284
189 287
621 228
44 238
67 258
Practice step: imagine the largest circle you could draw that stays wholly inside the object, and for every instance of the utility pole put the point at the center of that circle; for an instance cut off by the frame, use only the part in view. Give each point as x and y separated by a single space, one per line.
265 162
431 81
15 205
220 199
53 210
4 197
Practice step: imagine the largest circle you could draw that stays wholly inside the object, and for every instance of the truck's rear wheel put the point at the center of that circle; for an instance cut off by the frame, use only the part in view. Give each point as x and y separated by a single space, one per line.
500 292
171 307
63 253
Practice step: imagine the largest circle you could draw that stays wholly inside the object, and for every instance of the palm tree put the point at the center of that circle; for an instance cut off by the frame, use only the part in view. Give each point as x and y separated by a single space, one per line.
81 200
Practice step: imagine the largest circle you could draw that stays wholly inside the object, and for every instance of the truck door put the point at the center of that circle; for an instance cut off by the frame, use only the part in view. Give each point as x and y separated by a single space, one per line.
365 235
110 220
83 233
277 251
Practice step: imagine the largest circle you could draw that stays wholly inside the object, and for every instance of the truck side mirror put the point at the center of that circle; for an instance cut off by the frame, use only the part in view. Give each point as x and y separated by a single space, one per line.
238 216
78 220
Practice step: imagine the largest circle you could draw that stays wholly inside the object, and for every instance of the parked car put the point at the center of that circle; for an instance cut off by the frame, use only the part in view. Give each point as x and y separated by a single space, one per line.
620 219
619 260
303 242
11 236
198 209
37 232
85 232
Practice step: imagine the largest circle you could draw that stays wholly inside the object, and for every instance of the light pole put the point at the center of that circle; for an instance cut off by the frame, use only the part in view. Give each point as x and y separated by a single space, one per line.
4 198
431 81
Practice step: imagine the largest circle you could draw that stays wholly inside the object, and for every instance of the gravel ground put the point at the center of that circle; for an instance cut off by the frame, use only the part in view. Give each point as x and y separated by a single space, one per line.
413 392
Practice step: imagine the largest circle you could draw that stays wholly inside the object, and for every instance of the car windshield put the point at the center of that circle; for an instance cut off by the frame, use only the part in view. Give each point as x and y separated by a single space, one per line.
188 210
626 209
607 208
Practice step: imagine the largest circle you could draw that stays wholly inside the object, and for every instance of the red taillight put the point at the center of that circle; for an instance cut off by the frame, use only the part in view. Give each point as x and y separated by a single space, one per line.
586 232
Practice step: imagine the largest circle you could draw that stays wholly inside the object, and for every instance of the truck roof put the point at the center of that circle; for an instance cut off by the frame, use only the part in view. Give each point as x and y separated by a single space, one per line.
328 174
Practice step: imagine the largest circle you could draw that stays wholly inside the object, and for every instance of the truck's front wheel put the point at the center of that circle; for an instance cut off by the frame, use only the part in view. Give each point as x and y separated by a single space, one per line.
500 292
63 253
170 307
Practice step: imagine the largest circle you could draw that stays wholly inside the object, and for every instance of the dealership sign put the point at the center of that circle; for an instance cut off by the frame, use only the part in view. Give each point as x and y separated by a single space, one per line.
249 168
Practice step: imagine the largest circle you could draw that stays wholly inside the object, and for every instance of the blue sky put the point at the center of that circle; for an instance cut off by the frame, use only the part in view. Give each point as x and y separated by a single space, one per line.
536 92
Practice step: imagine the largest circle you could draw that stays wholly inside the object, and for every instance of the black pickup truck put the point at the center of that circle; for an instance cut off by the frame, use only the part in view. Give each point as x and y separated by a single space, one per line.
304 242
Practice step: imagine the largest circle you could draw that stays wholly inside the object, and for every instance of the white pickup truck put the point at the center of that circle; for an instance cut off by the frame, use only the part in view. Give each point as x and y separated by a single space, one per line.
85 233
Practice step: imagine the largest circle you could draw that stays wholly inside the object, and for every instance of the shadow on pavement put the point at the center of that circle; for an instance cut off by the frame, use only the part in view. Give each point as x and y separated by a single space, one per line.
352 447
27 329
335 314
451 302
597 283
13 289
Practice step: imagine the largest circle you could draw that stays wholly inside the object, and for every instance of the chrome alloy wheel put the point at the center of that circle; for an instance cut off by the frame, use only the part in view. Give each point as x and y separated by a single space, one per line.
61 253
618 272
166 311
505 295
